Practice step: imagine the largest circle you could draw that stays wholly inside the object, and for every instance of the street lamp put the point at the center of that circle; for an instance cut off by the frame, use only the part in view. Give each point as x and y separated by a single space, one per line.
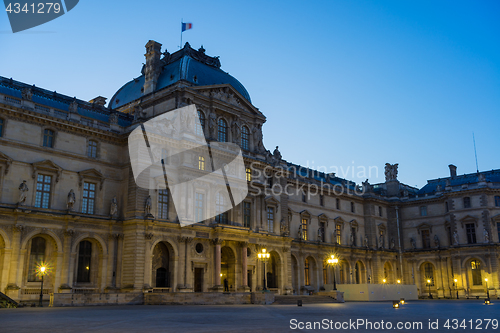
384 280
42 269
487 291
429 285
456 286
264 256
333 261
399 281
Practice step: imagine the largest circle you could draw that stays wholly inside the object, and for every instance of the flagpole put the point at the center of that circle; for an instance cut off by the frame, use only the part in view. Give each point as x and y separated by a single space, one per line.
180 46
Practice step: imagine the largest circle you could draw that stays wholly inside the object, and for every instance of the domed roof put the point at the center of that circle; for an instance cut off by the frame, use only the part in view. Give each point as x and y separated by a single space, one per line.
186 64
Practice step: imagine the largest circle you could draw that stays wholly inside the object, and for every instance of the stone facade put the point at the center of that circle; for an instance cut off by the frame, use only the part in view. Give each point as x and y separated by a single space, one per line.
82 214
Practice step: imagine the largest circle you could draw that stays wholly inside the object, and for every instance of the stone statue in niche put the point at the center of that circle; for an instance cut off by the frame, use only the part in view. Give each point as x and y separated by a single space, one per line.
391 171
23 188
486 236
212 125
147 206
299 233
284 227
436 241
413 243
381 241
393 244
257 139
70 202
113 210
320 235
455 238
365 242
236 131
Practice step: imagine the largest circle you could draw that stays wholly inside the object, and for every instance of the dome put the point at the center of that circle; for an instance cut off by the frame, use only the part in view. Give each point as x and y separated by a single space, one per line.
186 64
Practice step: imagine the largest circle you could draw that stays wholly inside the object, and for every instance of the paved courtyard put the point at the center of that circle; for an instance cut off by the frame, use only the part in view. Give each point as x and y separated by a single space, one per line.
251 318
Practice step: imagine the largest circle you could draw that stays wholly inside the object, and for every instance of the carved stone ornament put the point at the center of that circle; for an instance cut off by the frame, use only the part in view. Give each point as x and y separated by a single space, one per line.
27 94
391 171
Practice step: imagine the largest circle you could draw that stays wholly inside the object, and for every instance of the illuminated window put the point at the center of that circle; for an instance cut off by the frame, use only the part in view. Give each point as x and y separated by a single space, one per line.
88 201
306 273
338 233
163 204
222 135
92 149
201 163
84 257
37 257
304 229
476 273
245 135
48 138
270 219
248 173
43 185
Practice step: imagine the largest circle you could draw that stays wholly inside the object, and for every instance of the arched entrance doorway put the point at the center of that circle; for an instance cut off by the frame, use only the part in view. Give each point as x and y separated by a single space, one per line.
162 266
273 270
359 273
388 273
227 268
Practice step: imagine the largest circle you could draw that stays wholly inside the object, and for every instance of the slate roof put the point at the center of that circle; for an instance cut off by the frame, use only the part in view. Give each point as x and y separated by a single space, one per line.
492 176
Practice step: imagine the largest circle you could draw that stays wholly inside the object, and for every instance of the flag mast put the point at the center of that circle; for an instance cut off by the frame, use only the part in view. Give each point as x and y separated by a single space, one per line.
180 46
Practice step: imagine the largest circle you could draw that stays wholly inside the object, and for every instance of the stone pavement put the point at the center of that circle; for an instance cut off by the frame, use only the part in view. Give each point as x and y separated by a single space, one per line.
245 318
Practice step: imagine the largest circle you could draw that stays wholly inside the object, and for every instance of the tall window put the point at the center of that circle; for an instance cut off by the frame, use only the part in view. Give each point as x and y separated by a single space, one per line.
429 274
270 219
357 273
245 135
37 257
222 135
470 229
43 184
498 229
1 128
338 233
201 127
92 149
247 214
220 206
84 256
325 276
48 138
353 233
352 207
322 228
248 173
476 273
337 203
199 207
446 207
306 273
88 202
423 211
163 204
467 202
379 210
304 197
304 229
497 199
201 163
321 200
426 239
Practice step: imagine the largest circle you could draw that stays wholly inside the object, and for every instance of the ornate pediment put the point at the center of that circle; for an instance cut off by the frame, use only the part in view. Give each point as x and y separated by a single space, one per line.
424 226
6 161
91 174
496 218
48 166
271 201
468 219
354 224
227 94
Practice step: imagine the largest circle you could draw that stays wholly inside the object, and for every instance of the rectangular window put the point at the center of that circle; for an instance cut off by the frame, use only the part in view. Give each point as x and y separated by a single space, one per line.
324 274
1 128
353 233
498 229
338 233
426 239
163 204
321 200
467 202
306 272
201 163
304 229
199 207
497 200
92 149
337 202
88 201
476 273
247 214
48 138
379 210
352 207
470 229
423 211
248 173
429 274
270 219
43 184
322 228
304 197
446 207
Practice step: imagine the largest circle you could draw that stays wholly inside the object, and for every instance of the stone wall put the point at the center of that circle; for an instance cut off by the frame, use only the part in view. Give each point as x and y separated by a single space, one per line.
96 299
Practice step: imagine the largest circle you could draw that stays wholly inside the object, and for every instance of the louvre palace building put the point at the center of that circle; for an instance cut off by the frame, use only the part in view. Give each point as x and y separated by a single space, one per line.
68 200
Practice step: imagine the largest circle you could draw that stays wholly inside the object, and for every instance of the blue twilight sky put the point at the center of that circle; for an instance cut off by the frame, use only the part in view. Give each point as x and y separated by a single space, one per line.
342 83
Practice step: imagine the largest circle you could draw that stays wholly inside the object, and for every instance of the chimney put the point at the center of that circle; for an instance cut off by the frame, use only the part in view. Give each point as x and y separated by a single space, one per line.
152 68
453 170
99 100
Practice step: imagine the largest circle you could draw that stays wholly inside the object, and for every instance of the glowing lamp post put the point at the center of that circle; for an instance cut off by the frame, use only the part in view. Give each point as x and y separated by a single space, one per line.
333 261
429 285
42 271
456 286
399 281
384 280
264 256
487 291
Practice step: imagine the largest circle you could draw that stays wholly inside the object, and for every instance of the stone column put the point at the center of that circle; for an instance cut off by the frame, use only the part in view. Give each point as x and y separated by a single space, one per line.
12 289
244 268
185 287
217 287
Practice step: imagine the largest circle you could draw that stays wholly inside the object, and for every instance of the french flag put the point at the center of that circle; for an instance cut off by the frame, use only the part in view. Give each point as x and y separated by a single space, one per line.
186 26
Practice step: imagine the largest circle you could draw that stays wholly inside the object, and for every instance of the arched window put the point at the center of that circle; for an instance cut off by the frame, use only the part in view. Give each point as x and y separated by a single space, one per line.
220 207
201 127
429 274
245 135
48 138
37 257
475 266
84 257
357 273
92 149
306 273
222 130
